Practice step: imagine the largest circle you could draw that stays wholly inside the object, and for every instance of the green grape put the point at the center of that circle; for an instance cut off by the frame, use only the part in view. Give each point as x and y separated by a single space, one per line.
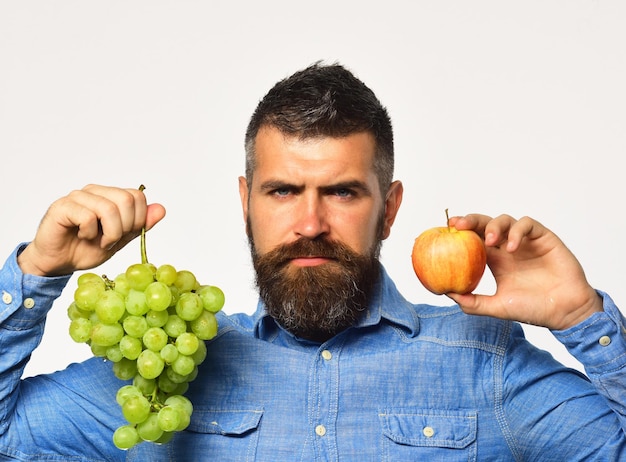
114 353
98 350
107 334
150 364
156 318
187 343
130 347
183 365
125 369
165 438
200 355
169 418
180 401
93 317
74 312
87 278
125 437
158 296
165 384
80 330
189 306
175 326
146 386
205 325
166 274
155 339
175 296
185 281
192 376
135 326
212 298
139 276
136 409
125 392
149 429
110 307
169 353
181 389
175 377
185 406
121 285
136 302
86 295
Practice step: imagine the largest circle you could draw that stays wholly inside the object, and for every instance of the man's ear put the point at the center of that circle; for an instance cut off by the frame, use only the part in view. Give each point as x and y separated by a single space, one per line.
243 194
392 204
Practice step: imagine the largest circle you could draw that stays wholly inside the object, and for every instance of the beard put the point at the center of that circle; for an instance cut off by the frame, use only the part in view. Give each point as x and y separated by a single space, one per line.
316 302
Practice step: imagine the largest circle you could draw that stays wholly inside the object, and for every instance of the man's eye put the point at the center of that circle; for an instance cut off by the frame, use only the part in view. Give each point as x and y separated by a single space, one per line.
281 192
344 192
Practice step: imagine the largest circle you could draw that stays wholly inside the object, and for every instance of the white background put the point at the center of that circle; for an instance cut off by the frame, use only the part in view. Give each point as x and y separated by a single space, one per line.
498 106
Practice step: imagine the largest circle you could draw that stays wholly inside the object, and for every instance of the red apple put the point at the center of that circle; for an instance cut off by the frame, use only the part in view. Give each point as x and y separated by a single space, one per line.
449 260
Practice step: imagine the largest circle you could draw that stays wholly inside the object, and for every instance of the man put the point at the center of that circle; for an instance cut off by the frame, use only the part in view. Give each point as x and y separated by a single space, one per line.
335 364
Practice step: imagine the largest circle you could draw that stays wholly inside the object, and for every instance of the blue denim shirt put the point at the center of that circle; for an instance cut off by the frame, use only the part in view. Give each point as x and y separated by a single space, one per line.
409 382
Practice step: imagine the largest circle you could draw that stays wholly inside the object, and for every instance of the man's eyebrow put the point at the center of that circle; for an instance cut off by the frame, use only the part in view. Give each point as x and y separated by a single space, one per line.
271 185
351 184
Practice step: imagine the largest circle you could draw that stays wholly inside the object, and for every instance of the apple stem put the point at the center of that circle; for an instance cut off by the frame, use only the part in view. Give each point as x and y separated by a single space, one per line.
447 220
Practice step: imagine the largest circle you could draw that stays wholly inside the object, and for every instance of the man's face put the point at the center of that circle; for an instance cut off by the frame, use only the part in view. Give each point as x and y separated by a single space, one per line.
315 217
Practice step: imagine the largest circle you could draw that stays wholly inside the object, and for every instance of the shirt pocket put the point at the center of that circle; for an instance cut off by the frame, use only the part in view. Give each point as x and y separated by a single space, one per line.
433 435
231 433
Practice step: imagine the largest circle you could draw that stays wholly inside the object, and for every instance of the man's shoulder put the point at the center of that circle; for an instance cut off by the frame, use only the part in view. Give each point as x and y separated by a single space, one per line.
449 325
235 321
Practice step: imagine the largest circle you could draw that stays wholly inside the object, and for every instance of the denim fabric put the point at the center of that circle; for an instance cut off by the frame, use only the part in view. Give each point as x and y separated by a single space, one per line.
410 382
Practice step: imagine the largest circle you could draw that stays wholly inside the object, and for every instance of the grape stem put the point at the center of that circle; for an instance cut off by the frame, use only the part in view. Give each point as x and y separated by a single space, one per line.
144 253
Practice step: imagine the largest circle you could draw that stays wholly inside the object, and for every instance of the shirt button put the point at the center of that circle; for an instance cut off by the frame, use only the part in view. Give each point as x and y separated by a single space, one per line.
604 340
327 355
320 430
6 297
29 303
428 432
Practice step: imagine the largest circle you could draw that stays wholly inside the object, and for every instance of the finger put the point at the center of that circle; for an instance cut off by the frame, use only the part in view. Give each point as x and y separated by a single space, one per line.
524 228
473 221
109 213
94 216
129 204
71 212
497 230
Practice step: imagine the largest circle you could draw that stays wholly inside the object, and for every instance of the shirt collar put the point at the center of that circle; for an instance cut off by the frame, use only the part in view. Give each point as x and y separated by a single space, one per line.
386 305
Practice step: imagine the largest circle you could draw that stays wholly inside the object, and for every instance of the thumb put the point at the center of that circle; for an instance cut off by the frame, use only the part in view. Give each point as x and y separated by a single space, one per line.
154 214
470 303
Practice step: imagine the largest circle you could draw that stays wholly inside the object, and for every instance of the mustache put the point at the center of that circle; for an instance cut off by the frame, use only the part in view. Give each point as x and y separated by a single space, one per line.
304 247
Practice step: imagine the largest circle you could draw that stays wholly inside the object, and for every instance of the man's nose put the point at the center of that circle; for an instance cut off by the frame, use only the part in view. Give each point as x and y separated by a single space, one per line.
312 218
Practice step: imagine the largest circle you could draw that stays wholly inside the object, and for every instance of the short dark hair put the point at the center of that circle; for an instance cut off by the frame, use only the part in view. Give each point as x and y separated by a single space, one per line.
324 100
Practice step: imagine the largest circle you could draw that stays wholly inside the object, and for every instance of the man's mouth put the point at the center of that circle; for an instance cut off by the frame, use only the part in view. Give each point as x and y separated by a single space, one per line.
310 261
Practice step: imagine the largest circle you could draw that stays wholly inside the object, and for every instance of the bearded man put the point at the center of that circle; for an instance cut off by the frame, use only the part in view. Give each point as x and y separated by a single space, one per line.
334 364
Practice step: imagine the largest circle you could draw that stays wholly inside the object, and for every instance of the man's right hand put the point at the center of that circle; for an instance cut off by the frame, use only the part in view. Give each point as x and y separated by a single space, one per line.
87 227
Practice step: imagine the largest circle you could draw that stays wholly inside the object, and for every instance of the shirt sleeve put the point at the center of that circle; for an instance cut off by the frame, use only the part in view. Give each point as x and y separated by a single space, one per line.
24 302
599 343
66 415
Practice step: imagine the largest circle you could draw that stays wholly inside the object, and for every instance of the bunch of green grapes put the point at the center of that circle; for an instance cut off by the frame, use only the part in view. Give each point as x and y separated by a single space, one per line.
151 323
